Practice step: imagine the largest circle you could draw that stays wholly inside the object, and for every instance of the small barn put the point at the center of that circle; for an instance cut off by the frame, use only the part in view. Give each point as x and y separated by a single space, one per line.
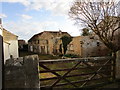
10 45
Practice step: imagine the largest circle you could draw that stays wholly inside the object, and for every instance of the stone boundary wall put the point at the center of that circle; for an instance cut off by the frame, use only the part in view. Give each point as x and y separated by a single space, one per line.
22 72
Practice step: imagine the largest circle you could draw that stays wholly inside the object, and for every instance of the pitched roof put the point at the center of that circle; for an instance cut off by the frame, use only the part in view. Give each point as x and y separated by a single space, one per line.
54 33
34 36
8 36
4 30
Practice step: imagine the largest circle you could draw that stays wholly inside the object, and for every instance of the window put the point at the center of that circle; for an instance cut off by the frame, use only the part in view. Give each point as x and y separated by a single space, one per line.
46 41
38 42
81 42
35 41
91 37
98 43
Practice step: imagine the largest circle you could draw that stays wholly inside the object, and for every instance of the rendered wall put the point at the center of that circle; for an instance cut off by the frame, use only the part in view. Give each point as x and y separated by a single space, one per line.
11 49
6 51
1 57
14 48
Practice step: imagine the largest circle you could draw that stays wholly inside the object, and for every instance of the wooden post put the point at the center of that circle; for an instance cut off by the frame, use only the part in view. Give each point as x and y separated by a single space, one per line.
31 71
118 65
113 61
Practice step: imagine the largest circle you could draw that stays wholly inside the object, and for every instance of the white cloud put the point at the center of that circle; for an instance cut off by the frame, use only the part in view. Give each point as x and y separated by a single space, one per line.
2 15
70 27
26 16
58 7
24 2
26 29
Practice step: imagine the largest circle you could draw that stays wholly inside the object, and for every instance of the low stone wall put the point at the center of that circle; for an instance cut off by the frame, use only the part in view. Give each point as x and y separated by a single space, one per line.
22 72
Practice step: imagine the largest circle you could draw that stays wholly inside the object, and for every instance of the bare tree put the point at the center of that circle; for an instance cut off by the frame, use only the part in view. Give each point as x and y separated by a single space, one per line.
103 18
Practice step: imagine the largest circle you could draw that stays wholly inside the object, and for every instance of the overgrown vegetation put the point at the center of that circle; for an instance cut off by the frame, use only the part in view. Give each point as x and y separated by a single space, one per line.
71 56
85 32
65 41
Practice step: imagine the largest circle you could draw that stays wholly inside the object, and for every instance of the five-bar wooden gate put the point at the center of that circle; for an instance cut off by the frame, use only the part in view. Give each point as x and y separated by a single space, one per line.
75 73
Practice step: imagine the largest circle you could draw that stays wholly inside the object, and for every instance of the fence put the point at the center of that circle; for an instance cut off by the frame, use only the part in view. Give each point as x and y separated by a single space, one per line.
79 72
65 73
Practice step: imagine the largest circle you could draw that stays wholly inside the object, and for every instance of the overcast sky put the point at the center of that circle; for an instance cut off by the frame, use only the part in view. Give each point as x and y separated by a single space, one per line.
28 17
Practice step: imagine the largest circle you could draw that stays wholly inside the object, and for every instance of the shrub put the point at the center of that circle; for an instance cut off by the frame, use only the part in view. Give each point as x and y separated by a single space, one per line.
71 55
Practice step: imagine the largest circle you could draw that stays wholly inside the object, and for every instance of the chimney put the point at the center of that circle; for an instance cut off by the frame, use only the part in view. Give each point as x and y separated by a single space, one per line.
60 32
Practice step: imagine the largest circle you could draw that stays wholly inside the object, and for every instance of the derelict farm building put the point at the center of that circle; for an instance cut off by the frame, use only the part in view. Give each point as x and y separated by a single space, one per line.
47 42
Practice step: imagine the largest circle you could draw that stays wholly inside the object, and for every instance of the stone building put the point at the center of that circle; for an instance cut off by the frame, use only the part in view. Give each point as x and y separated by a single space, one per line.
22 45
86 46
10 43
74 46
47 42
91 45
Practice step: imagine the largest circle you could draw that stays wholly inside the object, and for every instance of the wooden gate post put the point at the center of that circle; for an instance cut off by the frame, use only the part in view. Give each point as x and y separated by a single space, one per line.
118 65
113 67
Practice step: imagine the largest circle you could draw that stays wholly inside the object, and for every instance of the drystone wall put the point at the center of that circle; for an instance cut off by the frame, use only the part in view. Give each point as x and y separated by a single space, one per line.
21 72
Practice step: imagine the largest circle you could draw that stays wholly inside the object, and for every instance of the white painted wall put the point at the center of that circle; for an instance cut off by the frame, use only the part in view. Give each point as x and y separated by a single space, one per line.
14 48
6 51
11 49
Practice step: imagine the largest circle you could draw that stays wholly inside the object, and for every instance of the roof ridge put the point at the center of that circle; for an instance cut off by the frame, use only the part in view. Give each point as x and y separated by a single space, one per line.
9 32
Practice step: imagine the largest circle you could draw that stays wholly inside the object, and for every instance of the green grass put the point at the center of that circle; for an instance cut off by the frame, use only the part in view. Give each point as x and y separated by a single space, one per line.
60 65
41 56
24 53
63 66
69 65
